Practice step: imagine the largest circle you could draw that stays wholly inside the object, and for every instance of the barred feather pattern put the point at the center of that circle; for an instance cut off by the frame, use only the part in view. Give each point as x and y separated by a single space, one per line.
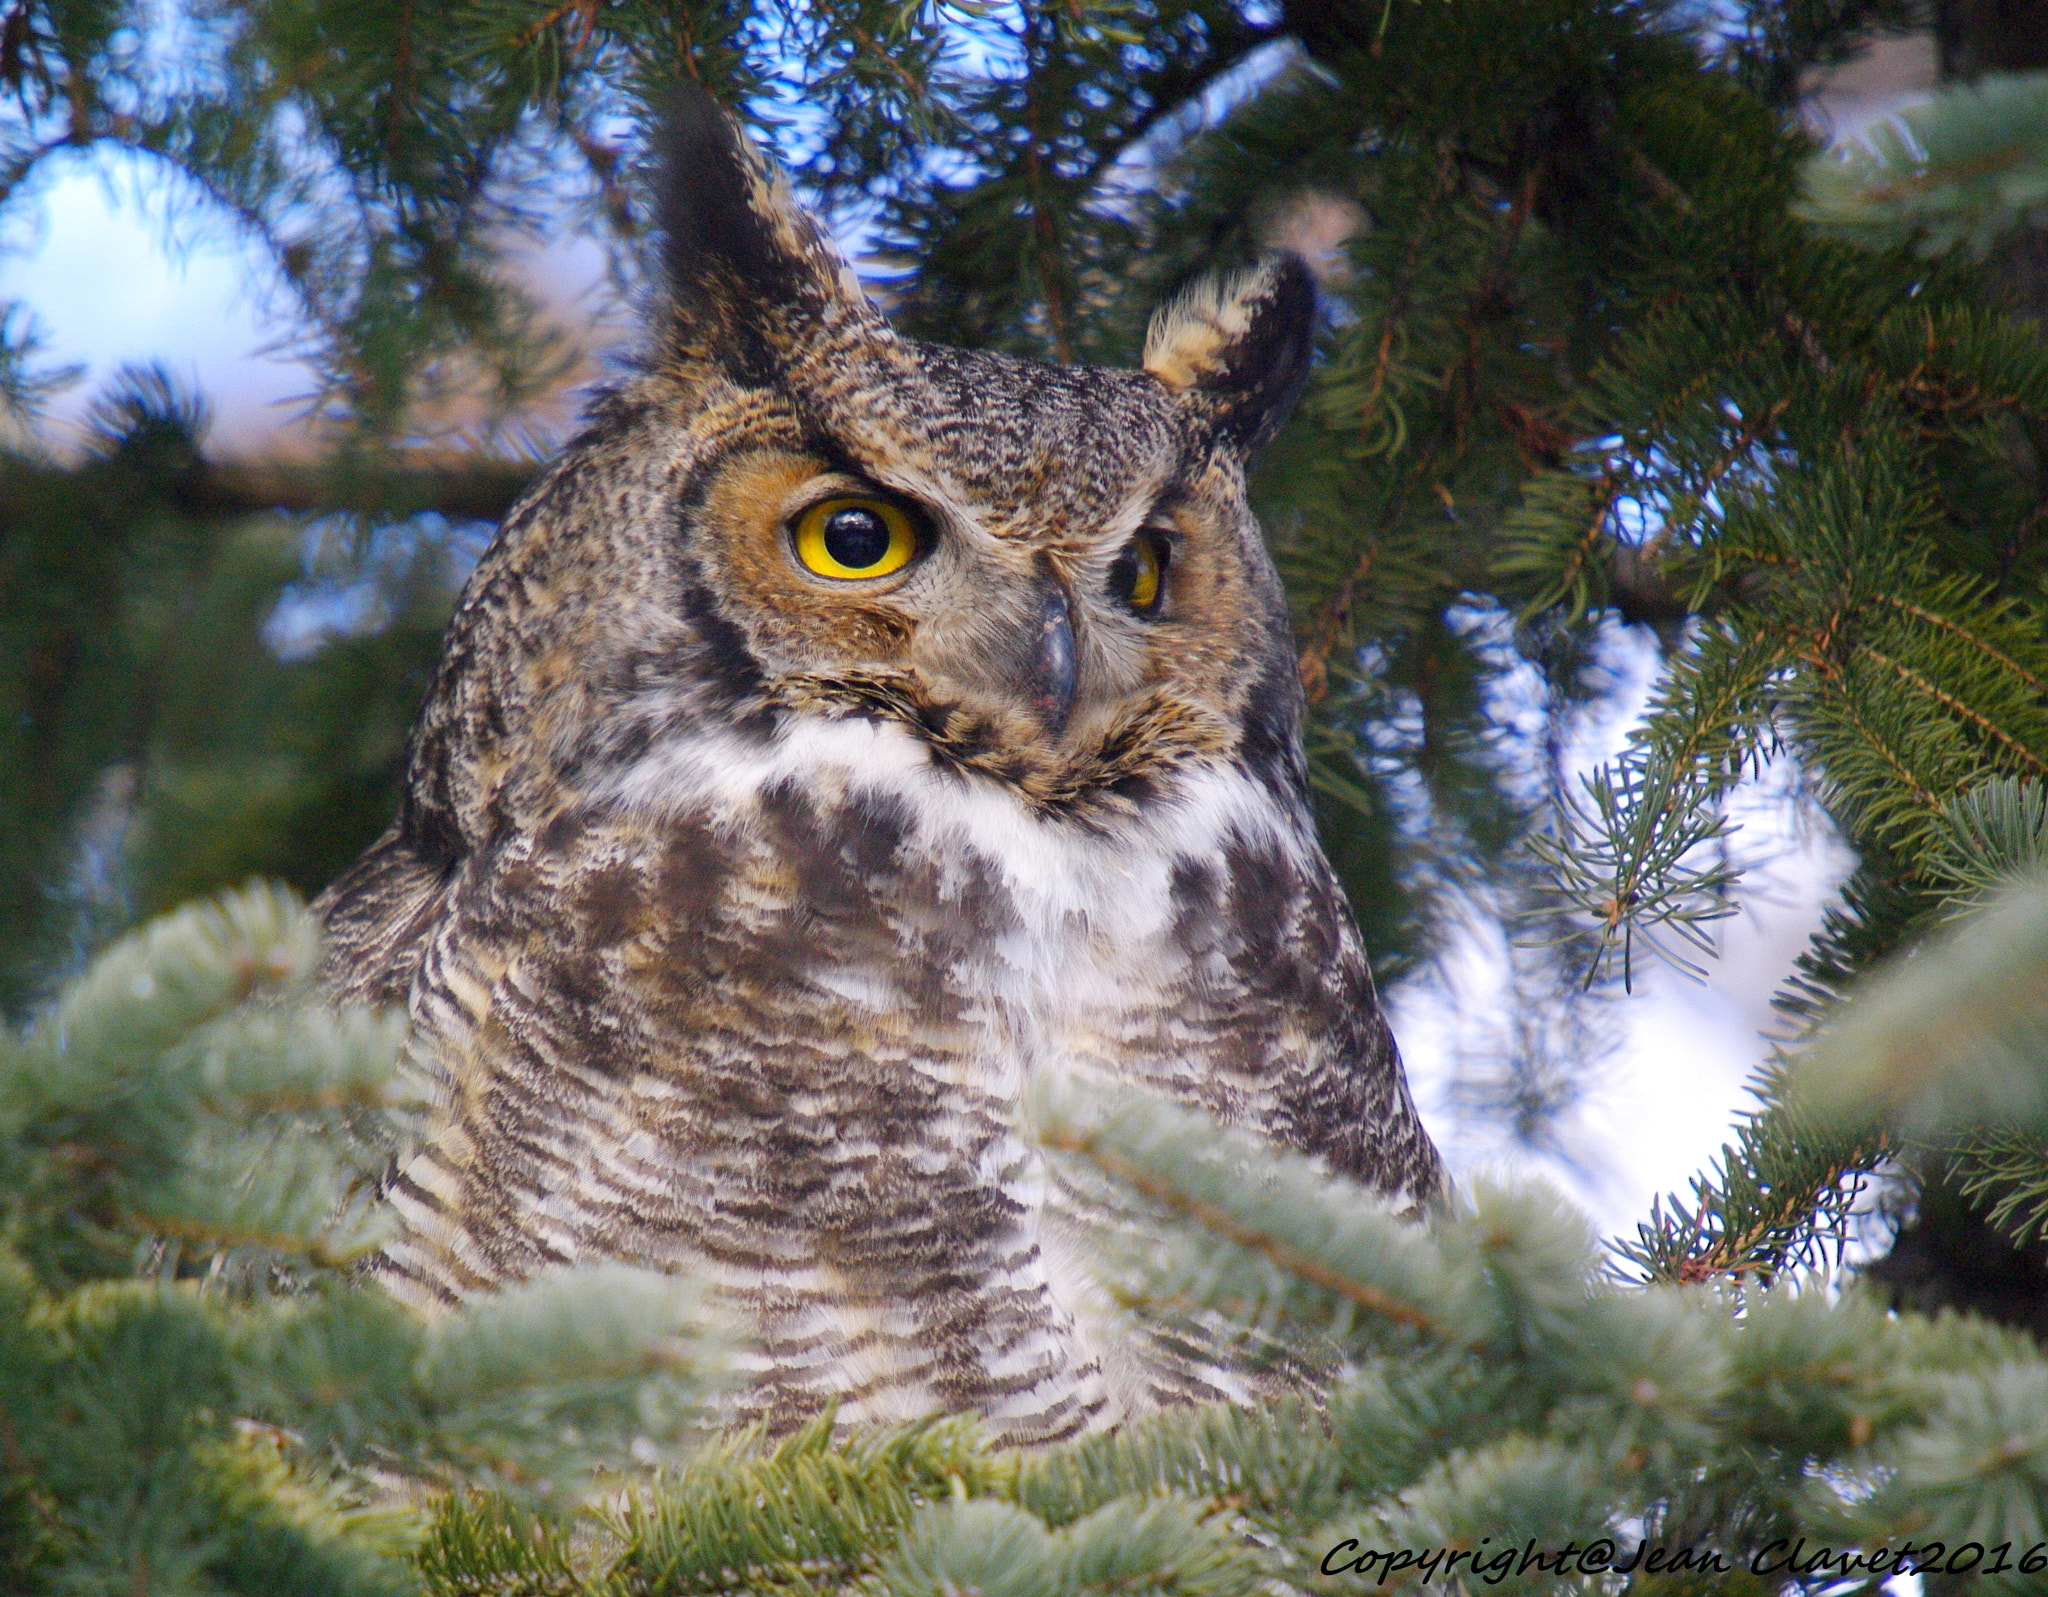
736 912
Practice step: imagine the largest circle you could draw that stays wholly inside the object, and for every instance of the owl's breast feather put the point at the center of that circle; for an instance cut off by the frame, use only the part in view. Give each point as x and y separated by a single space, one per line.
770 1009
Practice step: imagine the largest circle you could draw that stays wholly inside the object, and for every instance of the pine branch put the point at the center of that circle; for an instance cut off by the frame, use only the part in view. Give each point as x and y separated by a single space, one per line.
1781 1197
189 1107
752 1517
1997 840
2005 1175
1969 640
1955 171
1626 855
1161 1546
1950 1040
1955 706
1362 1294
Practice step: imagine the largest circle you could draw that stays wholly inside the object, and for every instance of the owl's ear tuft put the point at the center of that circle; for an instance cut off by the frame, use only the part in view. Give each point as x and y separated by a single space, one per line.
750 276
1239 347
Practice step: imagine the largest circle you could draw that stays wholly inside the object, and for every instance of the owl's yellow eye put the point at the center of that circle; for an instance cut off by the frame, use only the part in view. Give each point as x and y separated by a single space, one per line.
1138 576
1145 581
855 538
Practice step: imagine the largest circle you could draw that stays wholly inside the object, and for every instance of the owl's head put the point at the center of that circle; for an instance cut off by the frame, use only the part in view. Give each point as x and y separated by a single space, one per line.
1049 575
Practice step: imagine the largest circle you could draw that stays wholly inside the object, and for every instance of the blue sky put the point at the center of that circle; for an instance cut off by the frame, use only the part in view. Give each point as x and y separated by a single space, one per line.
115 275
110 285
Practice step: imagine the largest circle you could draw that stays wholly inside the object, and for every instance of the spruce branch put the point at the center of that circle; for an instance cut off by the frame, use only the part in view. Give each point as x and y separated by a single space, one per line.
483 1545
1385 1273
749 1515
191 1377
1362 1294
463 488
1627 856
1782 1196
1951 1040
601 1367
1314 663
1161 1546
1955 706
2004 1173
1996 840
1559 534
1965 635
1957 170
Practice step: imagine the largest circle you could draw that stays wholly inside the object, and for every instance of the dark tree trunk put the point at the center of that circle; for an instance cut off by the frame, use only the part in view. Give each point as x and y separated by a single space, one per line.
1979 36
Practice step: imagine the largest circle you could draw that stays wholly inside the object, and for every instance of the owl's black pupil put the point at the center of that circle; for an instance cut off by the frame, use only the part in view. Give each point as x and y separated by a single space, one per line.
856 538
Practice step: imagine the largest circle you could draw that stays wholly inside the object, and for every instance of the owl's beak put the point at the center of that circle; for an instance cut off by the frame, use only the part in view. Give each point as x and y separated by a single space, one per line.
1053 672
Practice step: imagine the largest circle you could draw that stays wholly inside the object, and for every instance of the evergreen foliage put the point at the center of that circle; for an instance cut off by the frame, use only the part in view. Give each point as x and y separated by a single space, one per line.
1498 1388
185 703
1961 169
197 1390
196 1394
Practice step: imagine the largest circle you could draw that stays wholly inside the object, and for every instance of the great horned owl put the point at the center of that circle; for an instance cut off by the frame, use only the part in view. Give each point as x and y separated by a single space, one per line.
843 732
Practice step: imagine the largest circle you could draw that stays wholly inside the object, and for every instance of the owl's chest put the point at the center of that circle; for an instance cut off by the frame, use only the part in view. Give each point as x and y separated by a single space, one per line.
774 1012
951 929
850 947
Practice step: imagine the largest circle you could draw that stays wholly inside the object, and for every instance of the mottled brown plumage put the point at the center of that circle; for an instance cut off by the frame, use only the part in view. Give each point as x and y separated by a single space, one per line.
736 905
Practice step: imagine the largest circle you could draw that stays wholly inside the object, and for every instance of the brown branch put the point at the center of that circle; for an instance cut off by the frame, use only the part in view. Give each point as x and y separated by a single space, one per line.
868 43
1404 280
1734 1253
1314 664
583 8
1658 183
462 489
1946 625
1803 335
1899 768
1518 215
402 85
1490 301
313 1250
1603 496
15 1457
1751 434
1955 706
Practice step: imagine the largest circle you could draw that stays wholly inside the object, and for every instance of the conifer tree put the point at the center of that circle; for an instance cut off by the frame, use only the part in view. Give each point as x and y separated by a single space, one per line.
1610 343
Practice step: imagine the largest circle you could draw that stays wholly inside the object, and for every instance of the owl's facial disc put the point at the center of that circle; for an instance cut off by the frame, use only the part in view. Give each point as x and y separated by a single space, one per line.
864 539
855 590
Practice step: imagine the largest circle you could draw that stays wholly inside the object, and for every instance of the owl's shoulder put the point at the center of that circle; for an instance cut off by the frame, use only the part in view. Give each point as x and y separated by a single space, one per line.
376 917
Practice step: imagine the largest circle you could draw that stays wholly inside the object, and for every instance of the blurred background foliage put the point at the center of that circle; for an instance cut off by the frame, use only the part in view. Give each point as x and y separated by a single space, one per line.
1610 343
188 702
